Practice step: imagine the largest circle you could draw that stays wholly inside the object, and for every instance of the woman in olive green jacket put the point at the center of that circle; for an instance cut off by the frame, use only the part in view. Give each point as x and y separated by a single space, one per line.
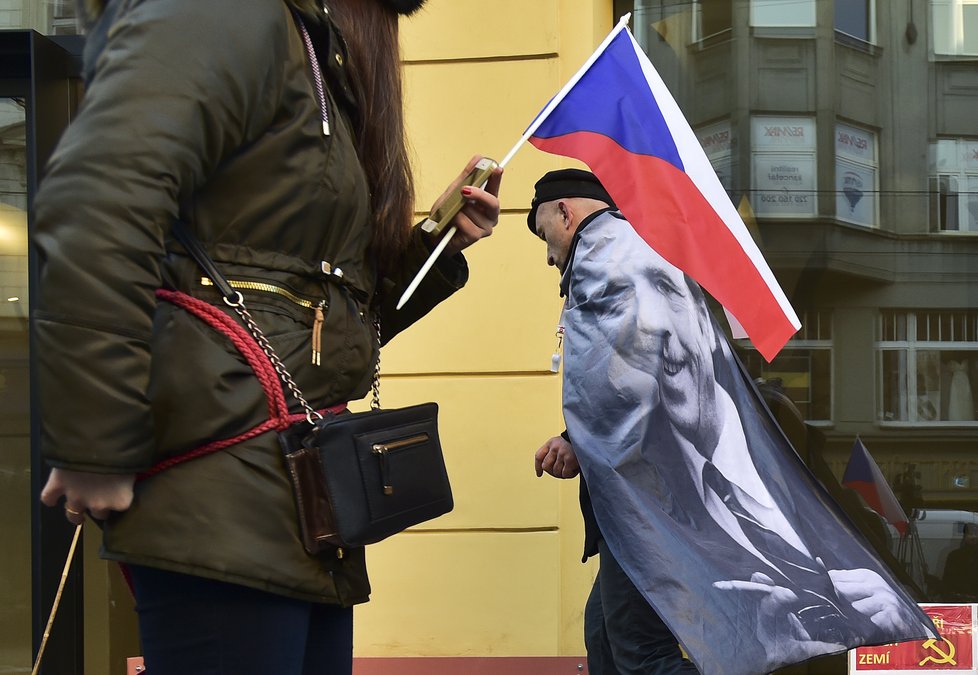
211 113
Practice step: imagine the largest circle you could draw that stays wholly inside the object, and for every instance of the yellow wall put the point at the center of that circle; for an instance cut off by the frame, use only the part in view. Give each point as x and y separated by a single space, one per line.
501 574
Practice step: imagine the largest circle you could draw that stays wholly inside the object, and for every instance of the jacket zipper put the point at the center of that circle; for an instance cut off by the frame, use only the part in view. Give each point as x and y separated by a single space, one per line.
318 308
318 74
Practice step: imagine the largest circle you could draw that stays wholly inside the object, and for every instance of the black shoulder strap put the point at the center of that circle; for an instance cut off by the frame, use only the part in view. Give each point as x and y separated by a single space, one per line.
196 250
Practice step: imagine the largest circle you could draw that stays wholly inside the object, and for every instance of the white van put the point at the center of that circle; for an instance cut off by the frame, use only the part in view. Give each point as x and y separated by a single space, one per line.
940 532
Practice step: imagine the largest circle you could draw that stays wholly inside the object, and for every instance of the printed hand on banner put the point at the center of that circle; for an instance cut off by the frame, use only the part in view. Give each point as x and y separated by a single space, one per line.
779 630
557 458
869 594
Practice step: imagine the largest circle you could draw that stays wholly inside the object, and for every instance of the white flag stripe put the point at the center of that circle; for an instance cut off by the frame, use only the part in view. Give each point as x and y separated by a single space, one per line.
703 176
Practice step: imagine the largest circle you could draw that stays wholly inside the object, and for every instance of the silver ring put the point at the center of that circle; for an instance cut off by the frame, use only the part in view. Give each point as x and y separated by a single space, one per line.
237 301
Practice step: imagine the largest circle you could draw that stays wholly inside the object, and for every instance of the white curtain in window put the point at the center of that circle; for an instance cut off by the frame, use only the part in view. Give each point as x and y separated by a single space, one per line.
955 27
782 13
961 402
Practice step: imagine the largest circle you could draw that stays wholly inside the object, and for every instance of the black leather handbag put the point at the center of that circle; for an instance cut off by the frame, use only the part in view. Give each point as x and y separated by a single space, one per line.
357 478
375 474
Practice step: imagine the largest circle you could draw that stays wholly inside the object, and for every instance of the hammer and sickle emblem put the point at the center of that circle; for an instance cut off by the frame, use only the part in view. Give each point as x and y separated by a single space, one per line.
945 656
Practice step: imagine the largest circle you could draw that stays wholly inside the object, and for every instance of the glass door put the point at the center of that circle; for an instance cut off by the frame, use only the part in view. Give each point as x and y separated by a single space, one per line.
15 455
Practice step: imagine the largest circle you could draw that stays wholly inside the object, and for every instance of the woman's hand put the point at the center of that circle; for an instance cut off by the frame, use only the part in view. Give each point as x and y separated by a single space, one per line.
480 212
97 493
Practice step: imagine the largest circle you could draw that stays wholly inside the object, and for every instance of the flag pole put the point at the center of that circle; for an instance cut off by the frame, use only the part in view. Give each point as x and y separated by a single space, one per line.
554 102
57 599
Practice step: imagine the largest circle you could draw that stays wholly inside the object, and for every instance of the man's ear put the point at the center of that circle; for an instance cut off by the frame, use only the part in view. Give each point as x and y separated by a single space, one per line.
705 320
566 214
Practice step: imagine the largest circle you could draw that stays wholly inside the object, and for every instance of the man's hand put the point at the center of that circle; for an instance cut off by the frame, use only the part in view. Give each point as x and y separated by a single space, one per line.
480 213
779 630
97 493
869 594
557 458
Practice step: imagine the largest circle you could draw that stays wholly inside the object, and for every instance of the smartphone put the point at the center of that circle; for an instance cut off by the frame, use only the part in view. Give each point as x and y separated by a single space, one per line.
441 216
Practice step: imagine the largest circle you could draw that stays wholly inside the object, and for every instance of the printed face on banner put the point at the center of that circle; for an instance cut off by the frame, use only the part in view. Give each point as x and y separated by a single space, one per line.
667 342
696 492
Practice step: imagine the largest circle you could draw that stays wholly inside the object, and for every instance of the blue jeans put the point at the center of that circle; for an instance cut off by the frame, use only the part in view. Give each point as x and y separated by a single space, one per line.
622 633
194 626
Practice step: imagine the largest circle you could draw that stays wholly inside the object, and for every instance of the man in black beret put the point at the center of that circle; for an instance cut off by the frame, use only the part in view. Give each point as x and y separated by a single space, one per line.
622 633
566 200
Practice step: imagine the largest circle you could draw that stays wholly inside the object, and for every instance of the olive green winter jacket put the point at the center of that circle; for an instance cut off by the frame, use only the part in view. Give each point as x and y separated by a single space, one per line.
207 112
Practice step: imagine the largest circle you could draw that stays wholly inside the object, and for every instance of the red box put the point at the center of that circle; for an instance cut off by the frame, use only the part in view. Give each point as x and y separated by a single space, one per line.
954 653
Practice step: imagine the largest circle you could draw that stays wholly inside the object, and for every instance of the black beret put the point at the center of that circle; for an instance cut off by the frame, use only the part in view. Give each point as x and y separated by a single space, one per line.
565 183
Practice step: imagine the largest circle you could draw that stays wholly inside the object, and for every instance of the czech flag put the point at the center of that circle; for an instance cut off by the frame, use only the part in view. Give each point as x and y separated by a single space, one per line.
617 116
863 476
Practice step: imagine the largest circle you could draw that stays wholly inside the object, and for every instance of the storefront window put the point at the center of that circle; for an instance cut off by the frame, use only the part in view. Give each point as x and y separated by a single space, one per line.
928 363
781 14
784 167
856 175
955 27
712 18
855 18
954 185
50 17
803 368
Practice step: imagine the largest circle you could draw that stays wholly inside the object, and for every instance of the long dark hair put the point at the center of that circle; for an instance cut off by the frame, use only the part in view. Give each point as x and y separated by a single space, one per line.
370 30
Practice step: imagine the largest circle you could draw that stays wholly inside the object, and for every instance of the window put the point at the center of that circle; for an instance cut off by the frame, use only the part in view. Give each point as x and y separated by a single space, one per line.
856 18
804 366
782 13
856 175
712 17
928 362
783 180
62 18
955 26
954 186
720 146
11 16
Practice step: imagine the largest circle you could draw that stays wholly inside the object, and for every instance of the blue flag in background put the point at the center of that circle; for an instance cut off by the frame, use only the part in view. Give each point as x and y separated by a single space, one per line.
864 476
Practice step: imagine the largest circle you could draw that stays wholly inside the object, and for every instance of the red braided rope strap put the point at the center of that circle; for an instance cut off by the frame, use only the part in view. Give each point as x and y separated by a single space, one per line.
279 417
